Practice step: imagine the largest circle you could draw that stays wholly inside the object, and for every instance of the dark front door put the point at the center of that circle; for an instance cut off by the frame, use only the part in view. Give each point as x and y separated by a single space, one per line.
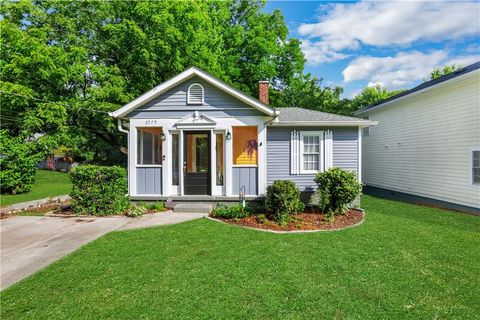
196 166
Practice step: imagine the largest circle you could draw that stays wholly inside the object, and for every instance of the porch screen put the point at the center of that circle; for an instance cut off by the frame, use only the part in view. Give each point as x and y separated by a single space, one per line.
245 145
149 146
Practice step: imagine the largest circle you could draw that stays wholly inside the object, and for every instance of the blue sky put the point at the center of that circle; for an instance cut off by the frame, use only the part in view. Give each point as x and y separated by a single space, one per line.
392 43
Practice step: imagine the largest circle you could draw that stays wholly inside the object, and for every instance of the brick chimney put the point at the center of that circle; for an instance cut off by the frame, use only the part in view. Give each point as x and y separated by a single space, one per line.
263 92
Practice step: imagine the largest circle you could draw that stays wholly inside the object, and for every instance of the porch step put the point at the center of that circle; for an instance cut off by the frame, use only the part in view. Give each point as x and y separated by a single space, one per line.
193 207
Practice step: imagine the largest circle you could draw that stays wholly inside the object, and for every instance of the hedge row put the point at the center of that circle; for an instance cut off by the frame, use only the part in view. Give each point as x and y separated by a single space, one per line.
99 190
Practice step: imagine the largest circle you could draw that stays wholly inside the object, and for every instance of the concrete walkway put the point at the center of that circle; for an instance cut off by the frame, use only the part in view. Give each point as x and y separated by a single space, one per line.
29 244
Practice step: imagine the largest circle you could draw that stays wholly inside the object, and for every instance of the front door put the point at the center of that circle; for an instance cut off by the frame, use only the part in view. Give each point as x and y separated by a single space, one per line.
196 165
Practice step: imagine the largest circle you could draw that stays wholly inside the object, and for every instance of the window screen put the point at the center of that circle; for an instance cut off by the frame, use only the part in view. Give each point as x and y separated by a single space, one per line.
149 146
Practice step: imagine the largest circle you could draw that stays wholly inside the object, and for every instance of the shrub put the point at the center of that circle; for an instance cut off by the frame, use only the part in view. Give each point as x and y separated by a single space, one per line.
282 200
233 212
337 188
17 164
157 206
136 211
99 190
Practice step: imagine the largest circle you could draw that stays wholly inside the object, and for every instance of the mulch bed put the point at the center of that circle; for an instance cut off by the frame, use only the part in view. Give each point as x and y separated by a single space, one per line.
302 221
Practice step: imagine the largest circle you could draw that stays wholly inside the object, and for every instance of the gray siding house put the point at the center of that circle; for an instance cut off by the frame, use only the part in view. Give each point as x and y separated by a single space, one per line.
196 137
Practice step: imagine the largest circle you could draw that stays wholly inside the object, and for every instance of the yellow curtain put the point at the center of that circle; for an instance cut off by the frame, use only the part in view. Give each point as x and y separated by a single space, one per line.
245 145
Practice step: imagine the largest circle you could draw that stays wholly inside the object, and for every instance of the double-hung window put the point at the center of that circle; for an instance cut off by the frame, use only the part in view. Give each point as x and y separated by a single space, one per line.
311 147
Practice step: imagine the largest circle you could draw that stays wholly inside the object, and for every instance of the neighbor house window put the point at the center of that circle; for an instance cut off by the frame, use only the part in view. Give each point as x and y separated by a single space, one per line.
195 94
476 166
149 146
310 151
245 145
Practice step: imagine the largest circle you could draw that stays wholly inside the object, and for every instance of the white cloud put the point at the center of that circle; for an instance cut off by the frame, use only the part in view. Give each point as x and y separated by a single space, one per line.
401 70
319 52
347 26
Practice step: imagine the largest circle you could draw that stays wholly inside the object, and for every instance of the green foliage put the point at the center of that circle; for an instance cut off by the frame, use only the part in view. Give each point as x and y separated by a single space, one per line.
230 212
47 184
262 218
18 159
99 190
282 200
91 57
369 96
136 211
337 188
406 262
157 206
440 72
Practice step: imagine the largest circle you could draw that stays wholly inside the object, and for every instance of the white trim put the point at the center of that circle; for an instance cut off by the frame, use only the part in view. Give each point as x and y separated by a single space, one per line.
438 85
189 73
182 164
328 149
359 155
346 123
188 94
148 166
318 134
470 167
245 165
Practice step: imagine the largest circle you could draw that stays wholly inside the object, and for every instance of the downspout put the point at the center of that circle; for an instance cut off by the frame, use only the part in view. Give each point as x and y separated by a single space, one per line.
274 119
120 128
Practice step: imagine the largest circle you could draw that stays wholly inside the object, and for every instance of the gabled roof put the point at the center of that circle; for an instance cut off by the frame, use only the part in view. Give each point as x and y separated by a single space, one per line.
422 87
187 74
306 117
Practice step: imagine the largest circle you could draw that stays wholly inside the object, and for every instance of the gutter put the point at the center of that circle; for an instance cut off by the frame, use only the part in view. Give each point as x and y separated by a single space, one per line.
360 123
274 119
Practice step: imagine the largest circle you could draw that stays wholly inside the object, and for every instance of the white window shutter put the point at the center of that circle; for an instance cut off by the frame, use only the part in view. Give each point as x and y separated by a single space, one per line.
295 152
328 149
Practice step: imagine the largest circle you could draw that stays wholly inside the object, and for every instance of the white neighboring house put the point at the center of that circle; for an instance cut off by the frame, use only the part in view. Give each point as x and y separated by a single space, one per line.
426 146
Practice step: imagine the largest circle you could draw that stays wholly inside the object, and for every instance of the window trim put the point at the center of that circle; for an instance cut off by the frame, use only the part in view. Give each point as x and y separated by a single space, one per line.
188 94
321 145
470 167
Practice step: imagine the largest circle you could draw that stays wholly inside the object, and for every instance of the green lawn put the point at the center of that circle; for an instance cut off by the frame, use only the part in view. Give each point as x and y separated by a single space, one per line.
404 262
47 184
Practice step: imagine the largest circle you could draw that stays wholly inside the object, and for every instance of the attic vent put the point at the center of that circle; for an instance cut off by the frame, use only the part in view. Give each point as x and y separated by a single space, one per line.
195 94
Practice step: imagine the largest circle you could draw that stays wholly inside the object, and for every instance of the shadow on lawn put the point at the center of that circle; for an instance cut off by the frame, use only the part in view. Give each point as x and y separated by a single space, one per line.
423 214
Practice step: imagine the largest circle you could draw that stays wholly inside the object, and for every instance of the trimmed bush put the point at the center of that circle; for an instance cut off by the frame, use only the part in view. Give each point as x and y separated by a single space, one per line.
18 162
282 200
337 188
99 190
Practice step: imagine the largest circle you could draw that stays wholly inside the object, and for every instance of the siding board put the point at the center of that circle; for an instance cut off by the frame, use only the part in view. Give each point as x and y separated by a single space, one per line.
149 180
173 104
345 154
422 143
245 176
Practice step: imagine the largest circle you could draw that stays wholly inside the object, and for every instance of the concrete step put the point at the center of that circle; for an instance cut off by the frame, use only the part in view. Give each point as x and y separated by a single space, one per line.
193 207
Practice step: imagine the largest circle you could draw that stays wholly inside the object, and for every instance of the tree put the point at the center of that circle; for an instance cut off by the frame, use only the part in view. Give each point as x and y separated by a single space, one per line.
369 96
440 72
65 65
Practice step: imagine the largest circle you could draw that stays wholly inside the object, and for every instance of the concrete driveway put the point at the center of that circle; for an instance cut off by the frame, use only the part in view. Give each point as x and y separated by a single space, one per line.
31 243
